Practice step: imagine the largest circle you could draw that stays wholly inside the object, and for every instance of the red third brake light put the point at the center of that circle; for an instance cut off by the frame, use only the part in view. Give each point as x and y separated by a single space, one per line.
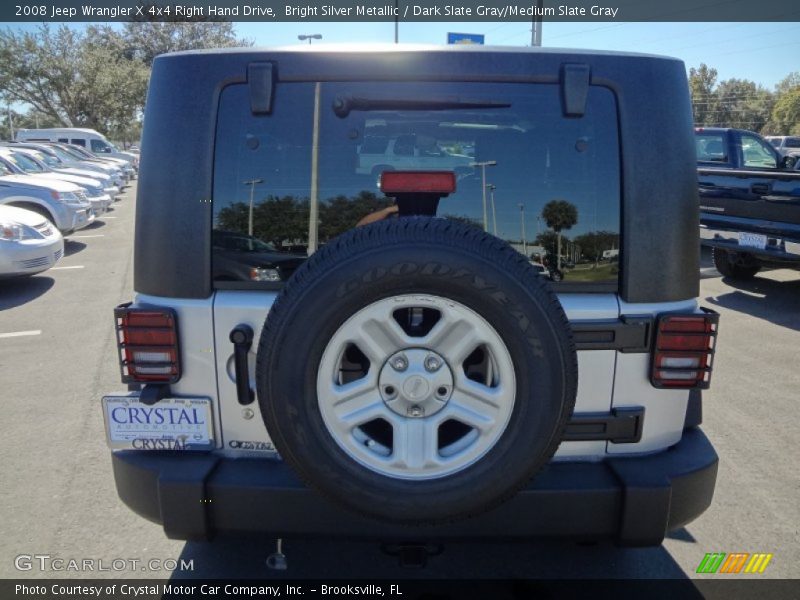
147 340
684 350
418 182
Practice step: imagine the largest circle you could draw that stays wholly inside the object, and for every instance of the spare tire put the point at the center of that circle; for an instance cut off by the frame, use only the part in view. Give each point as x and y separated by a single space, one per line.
416 370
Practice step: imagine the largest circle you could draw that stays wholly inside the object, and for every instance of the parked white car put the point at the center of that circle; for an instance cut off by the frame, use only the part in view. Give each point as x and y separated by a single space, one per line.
93 189
63 204
34 162
81 154
90 139
382 153
69 153
51 163
62 161
29 243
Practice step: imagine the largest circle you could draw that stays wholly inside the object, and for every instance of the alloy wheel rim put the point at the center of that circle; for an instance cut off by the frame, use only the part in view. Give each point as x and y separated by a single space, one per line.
416 387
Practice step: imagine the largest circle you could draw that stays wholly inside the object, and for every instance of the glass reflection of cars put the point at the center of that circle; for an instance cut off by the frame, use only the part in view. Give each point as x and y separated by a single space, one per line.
240 257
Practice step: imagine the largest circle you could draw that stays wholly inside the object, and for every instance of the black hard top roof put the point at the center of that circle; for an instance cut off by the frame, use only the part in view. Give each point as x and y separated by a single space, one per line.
414 48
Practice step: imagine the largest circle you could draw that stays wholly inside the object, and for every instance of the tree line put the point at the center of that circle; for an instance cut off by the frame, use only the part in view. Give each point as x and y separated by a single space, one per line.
744 104
92 77
283 221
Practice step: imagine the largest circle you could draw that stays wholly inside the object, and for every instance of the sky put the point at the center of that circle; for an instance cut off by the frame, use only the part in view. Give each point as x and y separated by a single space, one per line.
762 52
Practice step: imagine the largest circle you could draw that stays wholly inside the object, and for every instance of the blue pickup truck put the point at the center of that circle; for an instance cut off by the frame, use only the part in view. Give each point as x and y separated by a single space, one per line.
749 202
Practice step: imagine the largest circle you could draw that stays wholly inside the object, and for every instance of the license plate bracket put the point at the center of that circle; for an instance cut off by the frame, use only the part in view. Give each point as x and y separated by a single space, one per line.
169 424
753 240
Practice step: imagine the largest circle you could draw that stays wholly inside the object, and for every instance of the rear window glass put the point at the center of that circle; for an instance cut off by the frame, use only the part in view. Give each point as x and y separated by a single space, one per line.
547 184
793 142
711 147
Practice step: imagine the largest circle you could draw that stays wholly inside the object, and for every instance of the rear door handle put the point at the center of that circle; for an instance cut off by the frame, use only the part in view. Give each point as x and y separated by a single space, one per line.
762 189
242 339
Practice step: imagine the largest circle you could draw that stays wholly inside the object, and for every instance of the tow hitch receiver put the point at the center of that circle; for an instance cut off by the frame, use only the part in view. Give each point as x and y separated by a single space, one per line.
412 555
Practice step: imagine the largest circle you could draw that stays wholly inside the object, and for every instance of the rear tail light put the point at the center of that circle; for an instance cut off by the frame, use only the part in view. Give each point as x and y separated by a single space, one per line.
147 340
418 182
684 350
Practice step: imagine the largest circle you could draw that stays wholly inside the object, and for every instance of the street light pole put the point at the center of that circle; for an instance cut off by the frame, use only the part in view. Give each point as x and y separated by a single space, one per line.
483 165
492 187
252 183
396 21
522 223
313 217
309 37
536 31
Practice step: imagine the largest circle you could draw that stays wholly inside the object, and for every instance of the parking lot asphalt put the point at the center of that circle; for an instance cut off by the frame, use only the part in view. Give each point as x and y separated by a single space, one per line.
58 498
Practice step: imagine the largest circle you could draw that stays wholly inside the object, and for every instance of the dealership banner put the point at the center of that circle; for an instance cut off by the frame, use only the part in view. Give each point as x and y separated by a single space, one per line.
401 10
397 589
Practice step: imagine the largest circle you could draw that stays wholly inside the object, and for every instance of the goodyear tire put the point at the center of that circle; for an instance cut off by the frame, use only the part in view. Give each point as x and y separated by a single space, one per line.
417 371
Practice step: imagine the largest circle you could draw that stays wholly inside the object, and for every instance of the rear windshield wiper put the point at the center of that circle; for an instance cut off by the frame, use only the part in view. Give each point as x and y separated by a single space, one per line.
344 105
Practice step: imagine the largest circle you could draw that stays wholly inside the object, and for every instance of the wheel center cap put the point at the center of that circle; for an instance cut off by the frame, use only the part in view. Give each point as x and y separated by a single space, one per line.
416 382
416 388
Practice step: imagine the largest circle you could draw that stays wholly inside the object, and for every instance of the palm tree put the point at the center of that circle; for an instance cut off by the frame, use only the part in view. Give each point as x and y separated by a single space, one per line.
559 215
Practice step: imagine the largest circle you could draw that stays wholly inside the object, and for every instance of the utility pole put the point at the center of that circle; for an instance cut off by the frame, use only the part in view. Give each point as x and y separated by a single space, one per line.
483 165
492 187
536 30
313 216
396 21
522 224
252 183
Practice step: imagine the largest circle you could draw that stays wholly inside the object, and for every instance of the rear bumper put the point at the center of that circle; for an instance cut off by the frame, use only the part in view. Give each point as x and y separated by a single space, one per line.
634 501
783 239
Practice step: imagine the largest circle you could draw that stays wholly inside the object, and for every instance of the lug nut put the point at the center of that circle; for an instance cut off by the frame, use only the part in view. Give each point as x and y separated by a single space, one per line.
248 413
416 411
399 363
432 363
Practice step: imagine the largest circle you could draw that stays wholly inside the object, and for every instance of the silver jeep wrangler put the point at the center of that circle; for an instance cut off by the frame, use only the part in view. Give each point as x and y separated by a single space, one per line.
316 348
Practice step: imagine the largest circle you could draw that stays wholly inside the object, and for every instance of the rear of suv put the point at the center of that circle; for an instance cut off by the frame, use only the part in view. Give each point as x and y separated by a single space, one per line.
385 361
